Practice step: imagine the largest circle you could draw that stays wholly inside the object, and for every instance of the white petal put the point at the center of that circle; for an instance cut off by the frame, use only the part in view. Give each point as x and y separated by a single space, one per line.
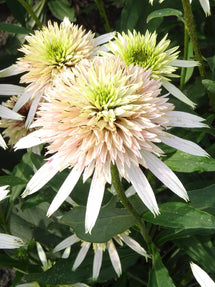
22 101
177 93
2 142
32 139
65 190
81 255
32 284
94 201
32 110
130 191
183 145
10 242
11 90
205 6
42 176
114 257
97 262
66 252
201 276
185 120
133 244
10 71
66 243
184 63
41 254
164 174
3 192
143 188
10 114
104 38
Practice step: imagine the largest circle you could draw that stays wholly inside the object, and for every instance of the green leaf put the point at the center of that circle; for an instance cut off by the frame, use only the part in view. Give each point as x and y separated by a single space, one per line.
183 162
159 276
61 9
209 85
203 198
111 221
11 28
181 215
17 10
11 180
163 13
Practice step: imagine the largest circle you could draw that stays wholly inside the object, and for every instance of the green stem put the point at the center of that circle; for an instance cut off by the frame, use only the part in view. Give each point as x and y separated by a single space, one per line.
3 222
31 12
121 194
185 57
100 6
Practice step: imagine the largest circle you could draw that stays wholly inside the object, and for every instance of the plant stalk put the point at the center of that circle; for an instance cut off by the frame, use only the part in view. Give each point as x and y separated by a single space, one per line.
31 12
100 6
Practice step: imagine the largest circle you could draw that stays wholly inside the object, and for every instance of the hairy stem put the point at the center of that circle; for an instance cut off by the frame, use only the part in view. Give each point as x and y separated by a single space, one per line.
184 70
121 194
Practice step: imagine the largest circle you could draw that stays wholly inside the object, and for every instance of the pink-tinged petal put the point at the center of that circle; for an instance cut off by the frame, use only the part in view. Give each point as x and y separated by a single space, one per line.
201 276
10 90
9 114
185 63
32 139
65 190
114 257
133 244
94 200
184 120
97 262
177 93
2 142
10 242
164 174
69 241
81 255
183 145
22 101
9 71
42 176
143 188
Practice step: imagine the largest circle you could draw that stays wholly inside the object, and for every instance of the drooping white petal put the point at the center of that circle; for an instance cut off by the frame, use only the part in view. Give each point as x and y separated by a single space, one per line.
69 241
104 38
164 174
9 71
11 90
65 190
10 114
130 191
201 276
183 145
42 176
66 252
32 110
206 6
22 101
41 255
97 262
185 120
133 244
10 242
2 142
94 200
32 139
3 192
143 188
81 255
177 93
114 257
184 63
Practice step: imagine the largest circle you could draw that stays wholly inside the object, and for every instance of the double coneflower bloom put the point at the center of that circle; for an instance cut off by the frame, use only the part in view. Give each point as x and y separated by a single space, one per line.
101 110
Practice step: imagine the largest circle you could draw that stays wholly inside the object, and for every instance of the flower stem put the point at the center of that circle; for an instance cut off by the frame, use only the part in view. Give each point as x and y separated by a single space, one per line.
121 194
31 12
100 6
185 57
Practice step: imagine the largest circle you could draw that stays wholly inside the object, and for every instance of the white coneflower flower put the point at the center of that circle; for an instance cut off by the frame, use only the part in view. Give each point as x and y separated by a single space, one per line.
48 54
3 192
201 276
10 242
108 113
99 248
144 51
